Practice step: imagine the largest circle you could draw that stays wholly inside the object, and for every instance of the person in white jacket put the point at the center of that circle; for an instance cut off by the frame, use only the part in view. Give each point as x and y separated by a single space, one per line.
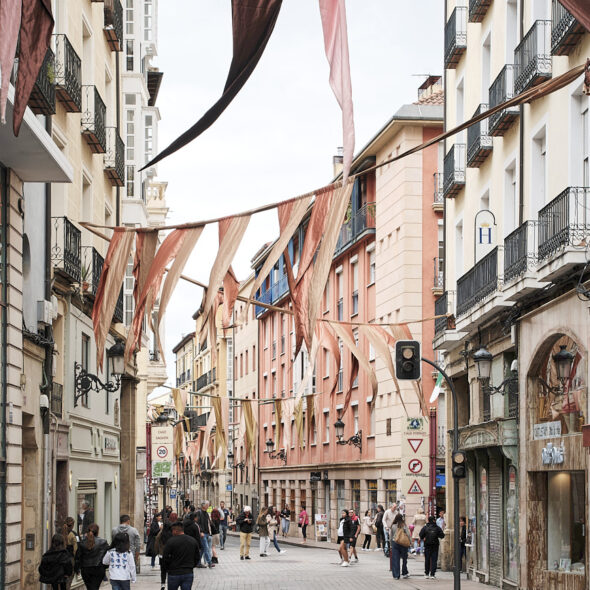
388 517
120 563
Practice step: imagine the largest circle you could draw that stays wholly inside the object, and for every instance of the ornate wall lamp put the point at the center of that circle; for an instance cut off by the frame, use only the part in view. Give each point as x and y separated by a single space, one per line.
483 361
355 439
230 461
282 454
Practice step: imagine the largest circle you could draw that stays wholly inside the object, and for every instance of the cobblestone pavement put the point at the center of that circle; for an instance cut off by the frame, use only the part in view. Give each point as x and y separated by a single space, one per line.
305 568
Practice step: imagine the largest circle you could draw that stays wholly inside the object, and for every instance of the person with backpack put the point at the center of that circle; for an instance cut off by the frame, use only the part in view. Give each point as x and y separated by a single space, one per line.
56 564
121 563
162 538
379 526
400 543
71 540
431 534
89 558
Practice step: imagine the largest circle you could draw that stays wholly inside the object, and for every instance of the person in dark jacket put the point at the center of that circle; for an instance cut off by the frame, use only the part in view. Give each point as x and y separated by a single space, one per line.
180 556
89 558
155 527
204 522
463 539
56 565
163 537
430 534
245 521
192 529
348 531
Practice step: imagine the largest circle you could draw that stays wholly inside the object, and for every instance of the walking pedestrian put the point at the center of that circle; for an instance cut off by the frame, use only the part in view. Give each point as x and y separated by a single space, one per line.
215 527
163 537
121 563
204 522
285 520
245 521
345 535
191 528
134 540
223 524
181 555
367 530
388 517
56 564
440 521
357 531
302 523
85 518
272 522
71 540
155 528
89 558
419 522
264 541
400 542
431 534
379 526
463 540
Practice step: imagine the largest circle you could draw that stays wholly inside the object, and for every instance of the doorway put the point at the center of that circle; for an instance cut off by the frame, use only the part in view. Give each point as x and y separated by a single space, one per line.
108 508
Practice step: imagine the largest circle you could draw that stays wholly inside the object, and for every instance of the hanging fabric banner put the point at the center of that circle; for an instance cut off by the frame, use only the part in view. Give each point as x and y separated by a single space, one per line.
580 10
252 22
179 399
145 250
10 15
251 427
278 421
330 343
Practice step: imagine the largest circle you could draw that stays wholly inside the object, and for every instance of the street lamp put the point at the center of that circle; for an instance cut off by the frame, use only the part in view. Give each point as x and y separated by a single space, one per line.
85 381
282 455
563 359
483 362
356 439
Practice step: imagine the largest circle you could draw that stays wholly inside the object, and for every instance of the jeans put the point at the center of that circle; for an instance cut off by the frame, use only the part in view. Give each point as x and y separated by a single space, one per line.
430 559
418 546
380 537
206 543
121 584
264 543
275 542
222 535
182 581
285 524
386 543
397 552
304 530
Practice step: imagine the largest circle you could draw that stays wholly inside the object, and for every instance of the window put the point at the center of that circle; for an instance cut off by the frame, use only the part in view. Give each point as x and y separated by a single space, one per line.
390 491
130 134
326 363
340 295
355 383
388 427
371 352
372 487
510 199
314 431
355 488
254 357
341 497
129 17
327 427
355 289
585 149
130 181
355 416
147 20
129 47
149 137
371 267
371 409
327 296
340 368
85 362
539 172
246 363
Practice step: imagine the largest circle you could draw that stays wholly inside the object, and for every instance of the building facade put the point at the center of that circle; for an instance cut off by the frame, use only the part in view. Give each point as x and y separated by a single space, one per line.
516 192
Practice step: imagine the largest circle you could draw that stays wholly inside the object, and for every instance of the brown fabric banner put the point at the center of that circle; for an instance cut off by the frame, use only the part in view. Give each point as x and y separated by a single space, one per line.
251 426
252 22
10 15
330 343
580 10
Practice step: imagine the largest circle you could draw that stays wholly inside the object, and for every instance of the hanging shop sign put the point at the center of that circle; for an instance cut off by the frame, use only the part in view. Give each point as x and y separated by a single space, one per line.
552 455
485 233
547 430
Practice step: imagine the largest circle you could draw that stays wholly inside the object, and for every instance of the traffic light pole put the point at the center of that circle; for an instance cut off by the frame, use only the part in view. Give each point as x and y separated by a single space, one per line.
456 517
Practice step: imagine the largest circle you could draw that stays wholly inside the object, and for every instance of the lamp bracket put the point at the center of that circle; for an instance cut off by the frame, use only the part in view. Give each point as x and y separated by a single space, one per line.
85 382
355 440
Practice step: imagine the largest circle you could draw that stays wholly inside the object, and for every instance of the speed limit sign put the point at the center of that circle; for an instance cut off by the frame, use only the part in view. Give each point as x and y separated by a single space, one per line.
162 452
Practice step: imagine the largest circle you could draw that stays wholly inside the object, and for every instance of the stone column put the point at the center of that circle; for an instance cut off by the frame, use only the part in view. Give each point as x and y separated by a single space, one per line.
381 492
334 516
127 449
364 497
348 493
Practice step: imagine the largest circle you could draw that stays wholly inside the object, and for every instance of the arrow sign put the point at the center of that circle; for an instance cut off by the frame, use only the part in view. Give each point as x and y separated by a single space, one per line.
415 488
415 466
415 443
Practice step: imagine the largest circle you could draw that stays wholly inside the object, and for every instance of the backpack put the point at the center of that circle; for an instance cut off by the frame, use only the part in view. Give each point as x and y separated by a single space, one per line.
431 535
50 571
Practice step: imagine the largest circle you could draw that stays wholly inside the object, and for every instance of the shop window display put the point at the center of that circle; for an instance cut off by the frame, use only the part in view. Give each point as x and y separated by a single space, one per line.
355 485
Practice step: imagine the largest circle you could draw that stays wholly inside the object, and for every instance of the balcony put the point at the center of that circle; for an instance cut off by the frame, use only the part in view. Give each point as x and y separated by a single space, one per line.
441 307
66 248
454 170
439 197
532 56
455 37
206 379
520 251
94 114
113 25
42 99
264 297
566 31
114 158
439 276
57 395
358 224
479 142
478 10
501 90
477 283
97 264
280 289
118 315
68 75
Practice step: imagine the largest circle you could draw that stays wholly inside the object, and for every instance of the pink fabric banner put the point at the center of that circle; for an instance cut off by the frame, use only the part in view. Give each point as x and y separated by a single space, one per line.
333 14
10 13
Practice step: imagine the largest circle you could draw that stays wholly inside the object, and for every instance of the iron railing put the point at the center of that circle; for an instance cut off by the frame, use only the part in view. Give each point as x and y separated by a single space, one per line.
501 90
42 98
206 379
564 221
441 307
154 356
454 170
114 158
512 392
66 249
118 315
359 221
439 273
520 251
532 56
455 37
478 282
113 24
264 297
478 10
97 264
94 113
439 196
57 395
280 288
68 75
479 142
566 31
487 405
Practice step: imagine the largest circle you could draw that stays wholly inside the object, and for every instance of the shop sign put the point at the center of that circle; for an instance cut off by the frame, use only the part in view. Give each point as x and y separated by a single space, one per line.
511 479
315 476
321 527
485 233
547 430
110 444
552 455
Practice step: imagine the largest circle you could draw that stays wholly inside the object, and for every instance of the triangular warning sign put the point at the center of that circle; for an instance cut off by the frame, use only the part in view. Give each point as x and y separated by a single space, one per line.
415 488
415 443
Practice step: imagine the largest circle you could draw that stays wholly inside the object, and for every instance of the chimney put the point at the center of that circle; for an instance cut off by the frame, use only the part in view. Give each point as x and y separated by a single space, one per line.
338 161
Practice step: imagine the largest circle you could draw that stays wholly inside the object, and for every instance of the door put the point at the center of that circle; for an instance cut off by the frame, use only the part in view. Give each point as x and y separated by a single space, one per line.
496 519
108 509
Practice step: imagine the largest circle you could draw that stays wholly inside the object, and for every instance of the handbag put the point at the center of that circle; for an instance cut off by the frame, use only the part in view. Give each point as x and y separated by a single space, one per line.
373 528
401 537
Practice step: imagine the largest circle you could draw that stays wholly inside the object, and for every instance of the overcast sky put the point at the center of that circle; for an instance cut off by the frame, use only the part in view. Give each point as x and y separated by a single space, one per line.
276 140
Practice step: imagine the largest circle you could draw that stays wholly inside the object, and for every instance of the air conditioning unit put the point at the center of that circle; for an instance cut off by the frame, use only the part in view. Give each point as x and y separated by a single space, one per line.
45 312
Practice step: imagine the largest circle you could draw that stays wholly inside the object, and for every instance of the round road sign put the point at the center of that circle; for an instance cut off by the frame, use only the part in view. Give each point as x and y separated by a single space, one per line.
415 465
162 452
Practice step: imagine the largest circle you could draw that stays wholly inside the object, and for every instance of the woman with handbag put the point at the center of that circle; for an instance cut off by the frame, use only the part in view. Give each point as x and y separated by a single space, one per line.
400 535
367 525
303 522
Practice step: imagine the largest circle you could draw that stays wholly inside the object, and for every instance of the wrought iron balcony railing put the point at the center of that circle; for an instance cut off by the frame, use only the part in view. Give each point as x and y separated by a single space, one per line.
439 273
566 31
565 221
532 56
501 90
479 142
97 264
478 10
42 99
441 307
68 75
118 315
94 113
520 251
454 170
358 223
280 288
478 282
206 379
439 195
455 37
66 248
113 24
114 158
57 395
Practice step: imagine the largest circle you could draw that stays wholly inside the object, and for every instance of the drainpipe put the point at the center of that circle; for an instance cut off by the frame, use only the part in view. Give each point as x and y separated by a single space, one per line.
521 139
118 124
444 154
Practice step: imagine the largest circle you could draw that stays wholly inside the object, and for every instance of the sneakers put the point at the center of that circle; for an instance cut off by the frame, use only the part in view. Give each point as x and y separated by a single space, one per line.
406 576
378 549
242 557
247 557
282 551
344 564
263 555
355 560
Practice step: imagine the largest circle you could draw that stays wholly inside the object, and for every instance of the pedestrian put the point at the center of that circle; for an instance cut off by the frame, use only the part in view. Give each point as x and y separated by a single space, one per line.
357 531
463 540
56 565
418 522
215 528
245 521
191 528
89 558
272 522
155 528
223 524
169 511
262 528
345 537
285 520
204 522
162 538
180 556
71 541
134 540
302 523
367 530
431 534
440 521
121 563
400 542
85 518
388 517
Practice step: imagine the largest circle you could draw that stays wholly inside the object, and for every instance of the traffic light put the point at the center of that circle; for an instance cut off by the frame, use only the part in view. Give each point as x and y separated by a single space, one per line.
407 359
459 468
